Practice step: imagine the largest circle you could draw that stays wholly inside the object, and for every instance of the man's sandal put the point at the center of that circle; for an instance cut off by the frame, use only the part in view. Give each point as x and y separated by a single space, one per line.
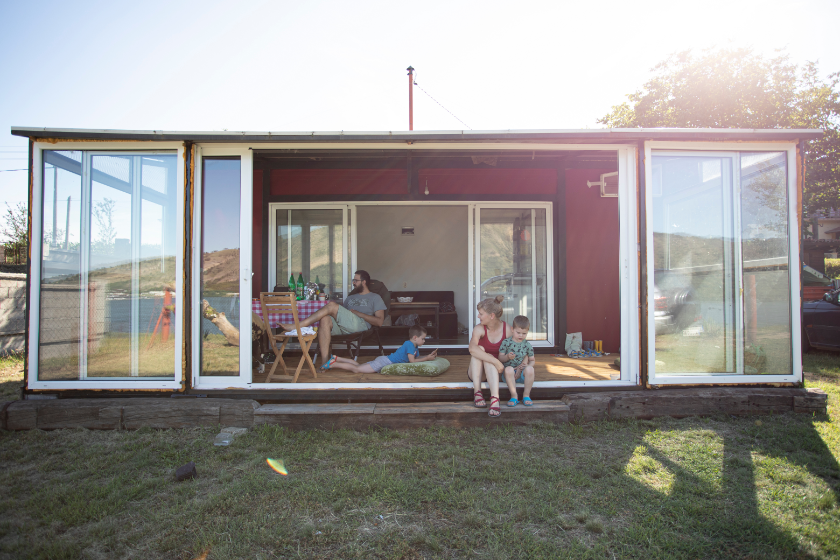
513 401
527 401
494 408
478 400
328 364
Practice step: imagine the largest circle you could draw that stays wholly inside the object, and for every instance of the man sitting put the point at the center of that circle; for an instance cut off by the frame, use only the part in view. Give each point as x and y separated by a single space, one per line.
357 314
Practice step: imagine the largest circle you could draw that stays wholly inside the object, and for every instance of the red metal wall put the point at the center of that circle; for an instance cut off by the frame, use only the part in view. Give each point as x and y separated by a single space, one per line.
338 181
593 304
488 181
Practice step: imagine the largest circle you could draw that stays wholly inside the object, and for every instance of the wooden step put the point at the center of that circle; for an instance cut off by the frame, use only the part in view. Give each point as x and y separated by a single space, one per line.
362 416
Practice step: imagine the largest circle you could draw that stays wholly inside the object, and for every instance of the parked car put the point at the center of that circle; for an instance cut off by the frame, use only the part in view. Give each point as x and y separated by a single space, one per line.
821 322
513 287
674 309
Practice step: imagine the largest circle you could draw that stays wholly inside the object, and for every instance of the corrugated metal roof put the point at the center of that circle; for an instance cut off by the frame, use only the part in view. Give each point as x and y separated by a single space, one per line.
594 136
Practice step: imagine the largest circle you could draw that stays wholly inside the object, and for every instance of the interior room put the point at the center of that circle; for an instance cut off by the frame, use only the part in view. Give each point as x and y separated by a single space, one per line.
447 230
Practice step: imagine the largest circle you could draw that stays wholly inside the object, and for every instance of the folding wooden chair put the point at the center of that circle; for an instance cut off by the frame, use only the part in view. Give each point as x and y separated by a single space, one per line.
273 303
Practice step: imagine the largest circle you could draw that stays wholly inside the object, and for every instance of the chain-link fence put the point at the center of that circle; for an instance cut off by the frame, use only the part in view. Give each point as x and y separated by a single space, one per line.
12 310
13 253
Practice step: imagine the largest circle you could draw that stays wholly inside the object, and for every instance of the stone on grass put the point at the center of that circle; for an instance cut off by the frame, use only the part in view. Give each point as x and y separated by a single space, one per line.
226 436
186 472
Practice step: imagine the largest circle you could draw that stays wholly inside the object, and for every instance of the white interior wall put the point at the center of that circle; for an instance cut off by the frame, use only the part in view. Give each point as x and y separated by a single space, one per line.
434 258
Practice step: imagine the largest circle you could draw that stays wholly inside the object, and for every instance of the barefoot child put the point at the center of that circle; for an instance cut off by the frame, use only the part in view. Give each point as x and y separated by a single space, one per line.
518 356
408 353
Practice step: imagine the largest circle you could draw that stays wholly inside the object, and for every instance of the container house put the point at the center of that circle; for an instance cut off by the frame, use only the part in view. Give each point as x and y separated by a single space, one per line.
677 248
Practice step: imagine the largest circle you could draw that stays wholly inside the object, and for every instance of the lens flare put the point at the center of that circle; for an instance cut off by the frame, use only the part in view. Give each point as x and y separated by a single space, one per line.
277 465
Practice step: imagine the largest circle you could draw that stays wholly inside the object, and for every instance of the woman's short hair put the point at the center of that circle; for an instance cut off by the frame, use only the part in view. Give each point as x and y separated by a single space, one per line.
493 306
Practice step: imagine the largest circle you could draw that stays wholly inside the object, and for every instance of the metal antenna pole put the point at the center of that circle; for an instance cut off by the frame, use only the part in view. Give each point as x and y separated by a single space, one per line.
410 98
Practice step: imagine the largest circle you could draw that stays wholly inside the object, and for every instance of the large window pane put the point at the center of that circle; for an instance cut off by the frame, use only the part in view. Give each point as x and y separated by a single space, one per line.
693 253
766 251
131 280
513 263
108 269
313 239
61 293
220 245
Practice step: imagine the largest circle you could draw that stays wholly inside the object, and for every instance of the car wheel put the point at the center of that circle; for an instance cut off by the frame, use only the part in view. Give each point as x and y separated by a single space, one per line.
806 345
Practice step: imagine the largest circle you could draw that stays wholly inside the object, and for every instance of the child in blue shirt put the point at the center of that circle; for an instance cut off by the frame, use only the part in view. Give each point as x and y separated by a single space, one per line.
408 353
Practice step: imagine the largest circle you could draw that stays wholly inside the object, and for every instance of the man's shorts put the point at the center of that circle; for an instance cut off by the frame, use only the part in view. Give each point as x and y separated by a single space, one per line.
345 322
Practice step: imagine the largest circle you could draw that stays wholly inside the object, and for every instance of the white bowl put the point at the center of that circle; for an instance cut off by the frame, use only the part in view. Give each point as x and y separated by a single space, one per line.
405 299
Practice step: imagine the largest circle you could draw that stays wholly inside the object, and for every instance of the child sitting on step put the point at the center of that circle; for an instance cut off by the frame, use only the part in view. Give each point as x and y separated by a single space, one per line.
518 356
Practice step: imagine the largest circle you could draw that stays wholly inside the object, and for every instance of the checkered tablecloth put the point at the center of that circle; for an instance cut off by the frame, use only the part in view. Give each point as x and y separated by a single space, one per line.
305 309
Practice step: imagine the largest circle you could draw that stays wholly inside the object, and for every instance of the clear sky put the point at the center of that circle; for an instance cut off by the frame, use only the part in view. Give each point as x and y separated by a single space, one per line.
329 65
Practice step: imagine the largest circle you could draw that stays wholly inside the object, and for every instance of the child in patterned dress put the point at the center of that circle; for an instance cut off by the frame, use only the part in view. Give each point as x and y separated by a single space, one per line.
518 356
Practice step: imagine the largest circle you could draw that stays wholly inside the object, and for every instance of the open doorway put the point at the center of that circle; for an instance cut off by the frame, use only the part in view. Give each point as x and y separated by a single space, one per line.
422 253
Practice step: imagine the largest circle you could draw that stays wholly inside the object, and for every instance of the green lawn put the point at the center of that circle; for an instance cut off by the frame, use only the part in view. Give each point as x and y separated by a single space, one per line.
760 487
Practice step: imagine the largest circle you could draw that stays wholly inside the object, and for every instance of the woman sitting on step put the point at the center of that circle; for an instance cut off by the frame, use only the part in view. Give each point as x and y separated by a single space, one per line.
485 341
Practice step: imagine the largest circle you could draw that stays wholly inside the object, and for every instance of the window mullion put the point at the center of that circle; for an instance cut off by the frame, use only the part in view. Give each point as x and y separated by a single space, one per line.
84 249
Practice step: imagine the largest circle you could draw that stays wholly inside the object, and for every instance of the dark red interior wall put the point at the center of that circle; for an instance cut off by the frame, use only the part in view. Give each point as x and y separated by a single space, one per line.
593 304
488 181
338 181
257 241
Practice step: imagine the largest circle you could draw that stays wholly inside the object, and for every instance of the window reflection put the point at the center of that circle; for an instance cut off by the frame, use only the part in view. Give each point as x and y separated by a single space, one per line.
220 244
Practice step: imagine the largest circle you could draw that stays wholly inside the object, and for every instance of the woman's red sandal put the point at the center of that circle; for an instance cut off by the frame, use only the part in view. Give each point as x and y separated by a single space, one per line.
495 408
478 400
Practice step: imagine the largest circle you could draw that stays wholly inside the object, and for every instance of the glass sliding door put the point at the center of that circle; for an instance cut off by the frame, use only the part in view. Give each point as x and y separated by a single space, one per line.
109 267
694 260
311 242
60 333
219 301
766 262
512 261
721 287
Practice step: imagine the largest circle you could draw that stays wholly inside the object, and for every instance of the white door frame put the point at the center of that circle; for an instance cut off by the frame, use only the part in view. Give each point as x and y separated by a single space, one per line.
246 210
273 207
715 149
476 263
36 249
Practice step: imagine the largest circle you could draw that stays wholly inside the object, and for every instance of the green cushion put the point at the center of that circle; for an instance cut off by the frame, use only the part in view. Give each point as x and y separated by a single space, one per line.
426 369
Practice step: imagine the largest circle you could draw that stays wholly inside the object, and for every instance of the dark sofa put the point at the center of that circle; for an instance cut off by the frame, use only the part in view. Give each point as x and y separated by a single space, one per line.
448 319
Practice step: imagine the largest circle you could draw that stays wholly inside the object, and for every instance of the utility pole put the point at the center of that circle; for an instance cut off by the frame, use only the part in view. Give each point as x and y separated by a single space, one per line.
410 98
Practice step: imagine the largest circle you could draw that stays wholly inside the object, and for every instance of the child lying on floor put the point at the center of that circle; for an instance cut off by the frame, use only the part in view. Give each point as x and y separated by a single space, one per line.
408 353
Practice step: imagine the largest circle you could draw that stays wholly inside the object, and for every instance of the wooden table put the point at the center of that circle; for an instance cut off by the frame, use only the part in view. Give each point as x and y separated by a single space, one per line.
416 307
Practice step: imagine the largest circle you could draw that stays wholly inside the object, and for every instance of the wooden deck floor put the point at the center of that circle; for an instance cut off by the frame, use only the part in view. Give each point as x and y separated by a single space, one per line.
548 368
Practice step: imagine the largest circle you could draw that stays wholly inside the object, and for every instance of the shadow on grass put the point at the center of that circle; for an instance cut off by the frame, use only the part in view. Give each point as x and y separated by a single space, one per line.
10 389
723 517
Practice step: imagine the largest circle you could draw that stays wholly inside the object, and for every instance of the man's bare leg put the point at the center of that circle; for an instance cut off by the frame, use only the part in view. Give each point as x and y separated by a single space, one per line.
324 338
329 310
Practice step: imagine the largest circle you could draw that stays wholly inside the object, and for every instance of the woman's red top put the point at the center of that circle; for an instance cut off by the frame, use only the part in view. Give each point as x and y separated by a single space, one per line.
492 348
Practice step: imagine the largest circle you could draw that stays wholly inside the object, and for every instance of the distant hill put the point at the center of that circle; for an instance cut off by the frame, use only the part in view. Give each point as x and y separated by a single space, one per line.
221 271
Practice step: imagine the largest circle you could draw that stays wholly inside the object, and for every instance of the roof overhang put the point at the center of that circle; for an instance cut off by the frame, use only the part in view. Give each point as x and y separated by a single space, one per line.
585 136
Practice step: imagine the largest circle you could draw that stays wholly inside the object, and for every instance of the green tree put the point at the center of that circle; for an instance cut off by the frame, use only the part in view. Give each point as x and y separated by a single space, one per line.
736 88
15 228
106 231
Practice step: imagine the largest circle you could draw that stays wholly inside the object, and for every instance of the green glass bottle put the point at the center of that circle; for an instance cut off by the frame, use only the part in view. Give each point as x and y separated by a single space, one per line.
299 290
292 286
